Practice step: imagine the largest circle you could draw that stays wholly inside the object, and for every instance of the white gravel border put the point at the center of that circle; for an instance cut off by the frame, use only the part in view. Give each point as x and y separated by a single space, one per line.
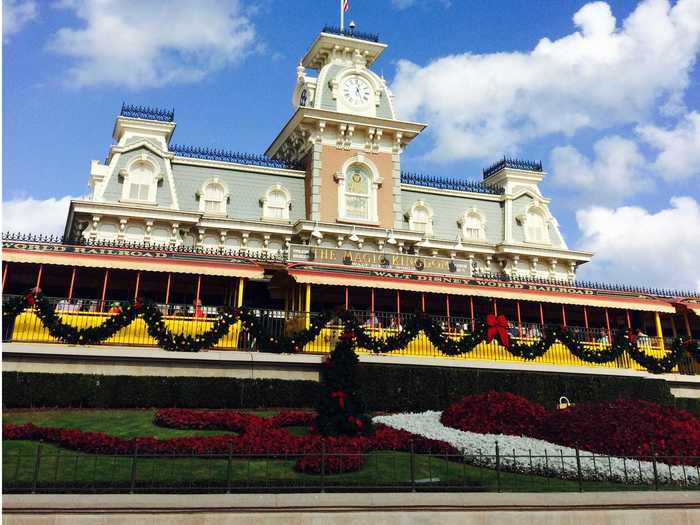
536 456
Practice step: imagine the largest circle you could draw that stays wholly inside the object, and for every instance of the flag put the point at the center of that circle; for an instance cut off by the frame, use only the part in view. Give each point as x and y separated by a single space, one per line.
346 6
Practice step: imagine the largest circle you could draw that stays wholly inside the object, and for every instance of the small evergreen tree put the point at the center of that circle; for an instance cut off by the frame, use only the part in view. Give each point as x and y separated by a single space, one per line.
340 409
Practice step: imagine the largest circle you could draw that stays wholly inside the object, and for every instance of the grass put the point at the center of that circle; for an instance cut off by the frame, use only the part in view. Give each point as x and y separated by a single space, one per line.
59 467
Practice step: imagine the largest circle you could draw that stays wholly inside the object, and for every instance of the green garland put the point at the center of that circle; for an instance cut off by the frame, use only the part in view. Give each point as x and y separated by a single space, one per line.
295 343
285 344
80 336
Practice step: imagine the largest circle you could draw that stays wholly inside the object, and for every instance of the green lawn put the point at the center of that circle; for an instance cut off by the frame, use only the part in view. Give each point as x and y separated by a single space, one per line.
59 467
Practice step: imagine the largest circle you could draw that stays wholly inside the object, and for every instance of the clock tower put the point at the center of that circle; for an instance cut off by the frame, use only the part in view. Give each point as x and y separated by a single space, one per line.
345 132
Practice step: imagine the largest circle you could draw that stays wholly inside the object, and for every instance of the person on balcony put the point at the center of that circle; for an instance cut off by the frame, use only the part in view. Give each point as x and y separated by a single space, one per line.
198 310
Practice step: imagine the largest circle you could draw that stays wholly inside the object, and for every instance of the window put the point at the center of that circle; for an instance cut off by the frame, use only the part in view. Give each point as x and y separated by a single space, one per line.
358 183
473 225
276 204
357 194
213 197
140 181
420 218
536 227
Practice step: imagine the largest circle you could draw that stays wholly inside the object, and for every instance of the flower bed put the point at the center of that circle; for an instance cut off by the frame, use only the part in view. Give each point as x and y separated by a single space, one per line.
262 437
622 428
530 455
495 413
626 427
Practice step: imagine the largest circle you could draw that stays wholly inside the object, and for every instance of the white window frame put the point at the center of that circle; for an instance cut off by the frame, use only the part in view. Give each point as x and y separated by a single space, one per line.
536 208
265 201
224 201
411 217
128 174
374 183
463 223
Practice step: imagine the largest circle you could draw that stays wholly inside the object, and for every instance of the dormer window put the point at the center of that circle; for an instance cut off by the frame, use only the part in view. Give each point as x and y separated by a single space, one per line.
420 218
536 226
473 225
213 197
140 181
276 203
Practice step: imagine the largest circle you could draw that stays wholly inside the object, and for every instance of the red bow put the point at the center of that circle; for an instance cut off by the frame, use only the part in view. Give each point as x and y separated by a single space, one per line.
29 298
497 326
341 397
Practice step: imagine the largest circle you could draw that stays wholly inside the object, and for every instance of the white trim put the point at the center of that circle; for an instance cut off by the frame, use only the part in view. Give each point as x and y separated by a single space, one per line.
462 222
538 208
300 174
285 208
153 185
452 193
214 181
428 225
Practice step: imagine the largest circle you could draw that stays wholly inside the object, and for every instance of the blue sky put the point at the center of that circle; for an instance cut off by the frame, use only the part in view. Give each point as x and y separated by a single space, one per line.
609 102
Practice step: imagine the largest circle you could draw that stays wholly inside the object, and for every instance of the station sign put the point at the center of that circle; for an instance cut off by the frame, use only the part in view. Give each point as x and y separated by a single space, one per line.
378 260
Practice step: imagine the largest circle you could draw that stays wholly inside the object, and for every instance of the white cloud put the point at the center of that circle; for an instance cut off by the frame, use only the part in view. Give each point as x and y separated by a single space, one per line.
136 44
596 77
679 148
617 170
16 14
29 215
635 246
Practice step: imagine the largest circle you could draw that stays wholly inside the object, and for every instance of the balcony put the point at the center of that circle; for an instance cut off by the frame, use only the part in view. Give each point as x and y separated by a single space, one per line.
189 320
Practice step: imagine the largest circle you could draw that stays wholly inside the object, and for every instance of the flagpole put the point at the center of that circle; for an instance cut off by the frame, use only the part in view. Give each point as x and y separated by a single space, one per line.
342 16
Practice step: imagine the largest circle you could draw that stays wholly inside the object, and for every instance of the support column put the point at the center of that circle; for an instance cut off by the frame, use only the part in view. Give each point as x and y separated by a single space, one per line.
72 283
138 284
38 276
307 306
5 267
629 320
563 315
607 325
541 314
167 288
686 322
673 327
471 311
585 317
199 289
422 302
659 331
447 309
398 305
495 307
104 290
239 295
347 298
371 309
520 322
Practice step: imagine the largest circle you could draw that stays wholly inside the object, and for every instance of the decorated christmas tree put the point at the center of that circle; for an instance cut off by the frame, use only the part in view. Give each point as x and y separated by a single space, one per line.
340 409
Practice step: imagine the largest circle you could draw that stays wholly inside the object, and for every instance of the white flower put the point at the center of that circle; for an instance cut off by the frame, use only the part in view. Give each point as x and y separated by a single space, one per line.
536 456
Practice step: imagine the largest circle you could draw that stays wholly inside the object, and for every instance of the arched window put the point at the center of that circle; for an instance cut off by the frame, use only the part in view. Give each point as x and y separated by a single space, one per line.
140 181
276 203
213 197
536 226
420 218
473 225
357 193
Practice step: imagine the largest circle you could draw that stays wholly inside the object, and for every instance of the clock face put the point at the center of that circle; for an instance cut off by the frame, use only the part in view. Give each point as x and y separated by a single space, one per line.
356 91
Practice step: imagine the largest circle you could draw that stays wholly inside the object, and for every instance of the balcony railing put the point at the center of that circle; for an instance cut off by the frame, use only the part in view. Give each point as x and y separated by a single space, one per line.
188 320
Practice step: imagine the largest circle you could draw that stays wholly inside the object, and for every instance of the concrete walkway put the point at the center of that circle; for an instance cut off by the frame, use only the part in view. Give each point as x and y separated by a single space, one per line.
619 508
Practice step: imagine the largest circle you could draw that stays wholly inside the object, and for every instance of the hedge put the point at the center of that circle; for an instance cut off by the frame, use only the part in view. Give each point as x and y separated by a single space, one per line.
389 388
